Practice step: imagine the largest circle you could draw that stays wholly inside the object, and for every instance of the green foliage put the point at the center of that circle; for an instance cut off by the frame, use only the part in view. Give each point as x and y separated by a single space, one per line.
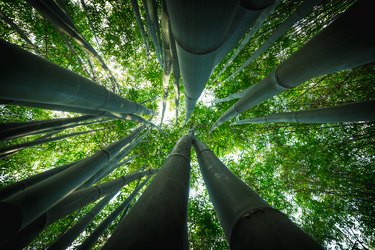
322 176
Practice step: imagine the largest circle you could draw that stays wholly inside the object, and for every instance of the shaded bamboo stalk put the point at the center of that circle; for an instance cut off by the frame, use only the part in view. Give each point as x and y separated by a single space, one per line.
229 98
90 23
67 238
7 151
164 202
140 24
27 78
40 126
343 44
62 22
19 31
70 204
22 185
17 211
148 5
258 23
176 72
167 66
93 237
246 213
352 112
302 11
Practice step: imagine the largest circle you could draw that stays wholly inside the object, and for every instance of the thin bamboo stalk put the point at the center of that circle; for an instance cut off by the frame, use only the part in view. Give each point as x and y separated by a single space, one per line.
137 15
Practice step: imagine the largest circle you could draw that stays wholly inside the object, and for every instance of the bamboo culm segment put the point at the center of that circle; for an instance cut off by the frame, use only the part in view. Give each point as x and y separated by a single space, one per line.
29 78
344 44
164 202
248 221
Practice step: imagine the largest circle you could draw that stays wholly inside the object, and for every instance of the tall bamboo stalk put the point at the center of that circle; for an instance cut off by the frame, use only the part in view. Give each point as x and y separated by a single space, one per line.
93 237
351 112
19 31
248 221
29 78
343 44
164 202
7 151
137 15
22 185
16 212
71 203
40 126
176 72
302 11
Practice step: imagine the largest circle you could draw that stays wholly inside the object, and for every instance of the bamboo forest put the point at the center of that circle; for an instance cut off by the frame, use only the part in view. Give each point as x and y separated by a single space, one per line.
187 124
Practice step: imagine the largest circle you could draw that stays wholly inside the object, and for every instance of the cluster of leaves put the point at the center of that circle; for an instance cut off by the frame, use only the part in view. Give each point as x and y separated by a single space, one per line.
322 176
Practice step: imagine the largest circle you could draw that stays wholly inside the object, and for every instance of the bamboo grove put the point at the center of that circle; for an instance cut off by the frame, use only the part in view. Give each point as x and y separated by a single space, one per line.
225 124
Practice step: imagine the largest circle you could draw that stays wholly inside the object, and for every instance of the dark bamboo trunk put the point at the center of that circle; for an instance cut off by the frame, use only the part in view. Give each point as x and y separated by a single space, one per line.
40 126
164 203
18 211
27 78
248 221
344 44
71 203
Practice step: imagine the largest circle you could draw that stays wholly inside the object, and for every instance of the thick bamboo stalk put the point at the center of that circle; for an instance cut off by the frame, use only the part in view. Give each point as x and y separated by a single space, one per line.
164 203
248 221
67 238
302 11
28 78
93 237
7 151
40 126
18 211
246 18
22 185
19 31
352 112
140 24
70 204
343 44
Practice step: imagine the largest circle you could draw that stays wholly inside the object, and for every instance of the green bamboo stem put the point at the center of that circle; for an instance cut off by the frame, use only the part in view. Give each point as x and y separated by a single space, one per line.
344 44
19 31
352 112
164 202
17 211
93 237
7 151
40 126
242 213
27 78
302 11
70 204
137 15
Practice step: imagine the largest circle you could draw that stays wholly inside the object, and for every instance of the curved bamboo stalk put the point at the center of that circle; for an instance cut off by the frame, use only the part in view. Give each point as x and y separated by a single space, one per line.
70 204
302 11
67 238
140 24
10 150
17 211
351 112
164 202
40 126
28 78
19 31
246 213
22 185
343 44
90 241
